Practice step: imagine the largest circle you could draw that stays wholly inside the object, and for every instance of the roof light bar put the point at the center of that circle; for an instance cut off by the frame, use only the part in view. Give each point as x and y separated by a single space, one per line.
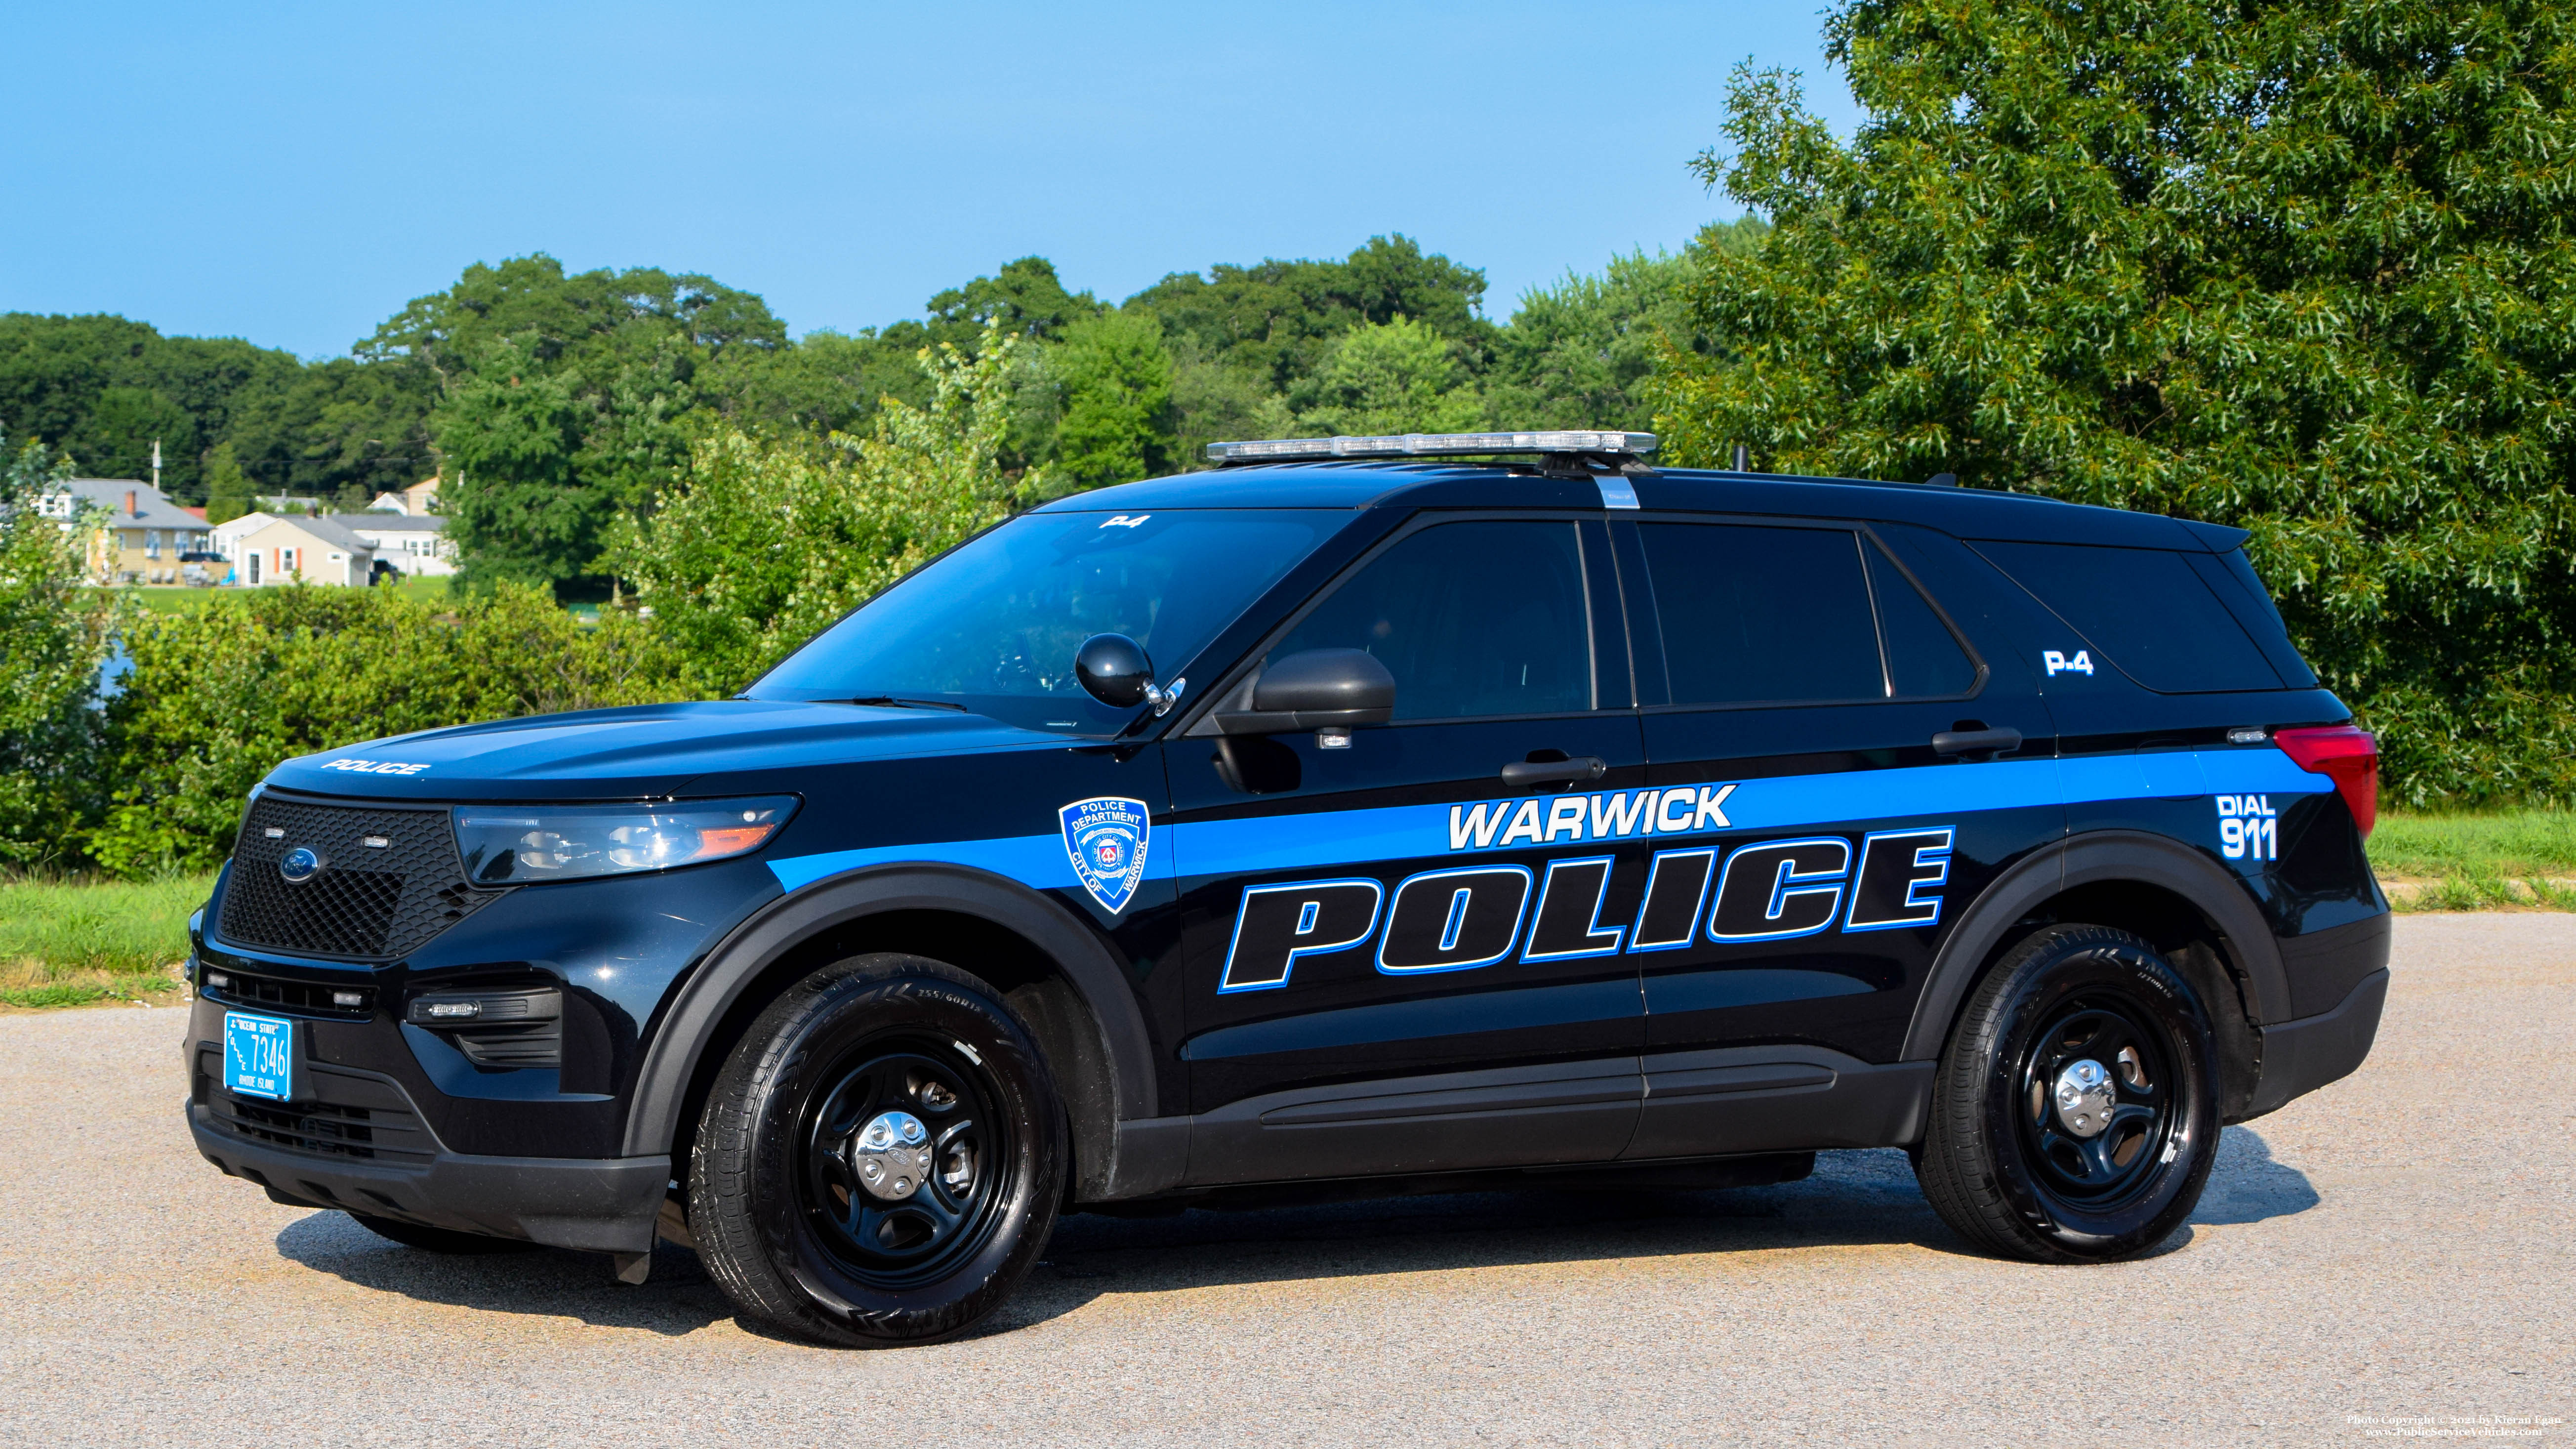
1431 445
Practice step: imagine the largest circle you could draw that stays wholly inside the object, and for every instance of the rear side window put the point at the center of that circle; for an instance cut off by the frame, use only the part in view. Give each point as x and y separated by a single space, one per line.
2233 578
1784 615
2145 610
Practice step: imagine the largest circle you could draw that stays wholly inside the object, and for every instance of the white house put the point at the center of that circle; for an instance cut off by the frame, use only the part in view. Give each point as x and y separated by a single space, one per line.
415 544
224 539
418 501
316 550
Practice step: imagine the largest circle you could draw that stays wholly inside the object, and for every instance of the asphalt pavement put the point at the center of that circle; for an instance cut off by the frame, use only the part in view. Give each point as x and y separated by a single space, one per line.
2387 1259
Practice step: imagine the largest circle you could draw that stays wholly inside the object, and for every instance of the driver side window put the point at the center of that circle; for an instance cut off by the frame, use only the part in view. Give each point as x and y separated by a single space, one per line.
1474 620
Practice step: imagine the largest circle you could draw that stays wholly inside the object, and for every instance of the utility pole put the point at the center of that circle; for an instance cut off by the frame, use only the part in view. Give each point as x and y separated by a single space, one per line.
156 465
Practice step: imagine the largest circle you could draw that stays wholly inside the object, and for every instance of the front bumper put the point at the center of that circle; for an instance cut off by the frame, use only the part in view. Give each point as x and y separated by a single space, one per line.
358 1144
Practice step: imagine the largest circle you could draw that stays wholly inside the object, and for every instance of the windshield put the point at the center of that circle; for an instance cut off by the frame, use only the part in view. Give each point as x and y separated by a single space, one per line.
992 627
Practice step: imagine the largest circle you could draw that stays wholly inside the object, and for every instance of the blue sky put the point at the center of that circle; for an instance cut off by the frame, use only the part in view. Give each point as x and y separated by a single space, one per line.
294 173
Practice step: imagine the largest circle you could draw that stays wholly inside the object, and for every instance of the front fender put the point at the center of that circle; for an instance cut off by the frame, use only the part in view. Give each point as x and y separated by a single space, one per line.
701 1004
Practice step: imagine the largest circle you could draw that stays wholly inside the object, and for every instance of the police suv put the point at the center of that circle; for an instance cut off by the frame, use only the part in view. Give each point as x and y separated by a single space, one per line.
1419 813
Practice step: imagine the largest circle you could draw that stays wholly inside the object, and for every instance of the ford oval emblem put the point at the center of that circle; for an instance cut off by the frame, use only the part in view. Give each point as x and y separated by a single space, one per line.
300 865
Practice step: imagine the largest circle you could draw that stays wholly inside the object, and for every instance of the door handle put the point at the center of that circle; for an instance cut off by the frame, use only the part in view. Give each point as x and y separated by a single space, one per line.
1977 743
1521 774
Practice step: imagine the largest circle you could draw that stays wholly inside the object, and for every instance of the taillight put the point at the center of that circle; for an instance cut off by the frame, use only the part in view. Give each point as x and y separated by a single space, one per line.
2345 754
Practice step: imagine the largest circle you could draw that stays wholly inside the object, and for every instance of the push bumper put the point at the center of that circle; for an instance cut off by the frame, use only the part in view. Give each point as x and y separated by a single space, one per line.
601 1205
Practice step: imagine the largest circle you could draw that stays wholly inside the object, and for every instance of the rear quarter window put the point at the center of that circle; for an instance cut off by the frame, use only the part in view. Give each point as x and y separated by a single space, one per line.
2146 611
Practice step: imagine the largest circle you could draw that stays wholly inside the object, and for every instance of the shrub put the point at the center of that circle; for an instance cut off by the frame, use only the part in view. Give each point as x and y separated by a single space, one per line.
766 540
54 635
218 696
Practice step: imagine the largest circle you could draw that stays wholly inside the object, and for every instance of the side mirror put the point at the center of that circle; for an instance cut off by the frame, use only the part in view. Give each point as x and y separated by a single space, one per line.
1113 669
1316 689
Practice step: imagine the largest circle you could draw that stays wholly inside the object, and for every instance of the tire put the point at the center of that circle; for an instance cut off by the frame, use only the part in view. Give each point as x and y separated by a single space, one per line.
780 1195
439 1240
2109 1172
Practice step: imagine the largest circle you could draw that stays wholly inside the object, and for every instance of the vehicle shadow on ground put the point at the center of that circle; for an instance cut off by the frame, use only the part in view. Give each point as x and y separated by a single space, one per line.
1855 1200
2247 1186
549 1282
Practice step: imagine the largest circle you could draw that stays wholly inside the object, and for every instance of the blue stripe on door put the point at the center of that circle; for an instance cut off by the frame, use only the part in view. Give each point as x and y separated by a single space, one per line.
1330 838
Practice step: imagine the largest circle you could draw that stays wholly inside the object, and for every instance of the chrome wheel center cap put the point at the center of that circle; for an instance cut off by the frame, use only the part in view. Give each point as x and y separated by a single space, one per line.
891 1155
2085 1098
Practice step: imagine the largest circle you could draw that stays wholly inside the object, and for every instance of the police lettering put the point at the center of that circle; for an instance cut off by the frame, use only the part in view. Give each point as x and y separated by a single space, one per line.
1462 917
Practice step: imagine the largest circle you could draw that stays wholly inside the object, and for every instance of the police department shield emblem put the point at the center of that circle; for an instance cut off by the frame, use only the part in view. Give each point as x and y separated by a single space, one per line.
1106 839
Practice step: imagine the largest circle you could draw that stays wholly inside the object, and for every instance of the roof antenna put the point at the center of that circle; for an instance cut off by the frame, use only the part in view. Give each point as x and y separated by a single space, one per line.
1942 480
1739 458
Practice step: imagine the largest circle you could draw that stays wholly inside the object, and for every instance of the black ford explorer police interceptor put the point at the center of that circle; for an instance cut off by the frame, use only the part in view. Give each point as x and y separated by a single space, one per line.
1345 819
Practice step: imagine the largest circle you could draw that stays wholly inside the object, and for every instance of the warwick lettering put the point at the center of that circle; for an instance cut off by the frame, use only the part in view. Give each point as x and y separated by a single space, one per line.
1617 815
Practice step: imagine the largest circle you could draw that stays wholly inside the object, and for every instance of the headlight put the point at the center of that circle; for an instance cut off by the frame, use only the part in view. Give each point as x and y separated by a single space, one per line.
511 846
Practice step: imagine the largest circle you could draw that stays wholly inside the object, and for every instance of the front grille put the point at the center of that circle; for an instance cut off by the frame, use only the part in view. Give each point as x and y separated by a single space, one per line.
389 881
349 1116
240 988
314 1127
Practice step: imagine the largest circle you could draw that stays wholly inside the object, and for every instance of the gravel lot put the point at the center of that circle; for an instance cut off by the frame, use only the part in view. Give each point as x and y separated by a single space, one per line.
2396 1246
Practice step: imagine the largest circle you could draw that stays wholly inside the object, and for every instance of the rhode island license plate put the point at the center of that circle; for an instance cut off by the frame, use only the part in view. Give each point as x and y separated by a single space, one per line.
259 1056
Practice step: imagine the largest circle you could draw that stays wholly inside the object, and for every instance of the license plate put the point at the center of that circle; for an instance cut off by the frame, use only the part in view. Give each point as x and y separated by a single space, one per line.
259 1056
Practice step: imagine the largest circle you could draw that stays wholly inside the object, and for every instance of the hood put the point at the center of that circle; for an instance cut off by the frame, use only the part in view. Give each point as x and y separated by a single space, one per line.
646 752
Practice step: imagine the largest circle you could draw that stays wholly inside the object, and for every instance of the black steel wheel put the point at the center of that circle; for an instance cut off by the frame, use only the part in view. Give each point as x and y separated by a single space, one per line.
2075 1114
901 1172
881 1158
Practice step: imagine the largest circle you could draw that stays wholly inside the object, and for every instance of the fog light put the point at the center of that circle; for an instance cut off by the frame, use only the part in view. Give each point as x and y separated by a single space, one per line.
449 1009
348 998
218 980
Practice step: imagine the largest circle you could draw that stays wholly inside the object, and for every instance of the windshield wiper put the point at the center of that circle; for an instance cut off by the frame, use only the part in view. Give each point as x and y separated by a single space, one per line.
889 701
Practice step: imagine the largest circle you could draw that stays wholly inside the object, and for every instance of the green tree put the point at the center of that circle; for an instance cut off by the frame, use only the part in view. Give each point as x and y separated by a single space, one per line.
1115 377
563 402
1213 401
1579 354
54 635
1275 321
340 425
2303 267
1026 299
104 388
1400 376
765 540
228 488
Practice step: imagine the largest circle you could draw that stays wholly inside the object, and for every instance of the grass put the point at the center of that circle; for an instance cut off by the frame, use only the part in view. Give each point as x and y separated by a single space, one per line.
69 942
421 590
170 598
179 598
2478 862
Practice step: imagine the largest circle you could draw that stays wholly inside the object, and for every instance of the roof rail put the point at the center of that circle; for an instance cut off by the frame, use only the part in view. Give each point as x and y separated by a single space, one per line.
1433 445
